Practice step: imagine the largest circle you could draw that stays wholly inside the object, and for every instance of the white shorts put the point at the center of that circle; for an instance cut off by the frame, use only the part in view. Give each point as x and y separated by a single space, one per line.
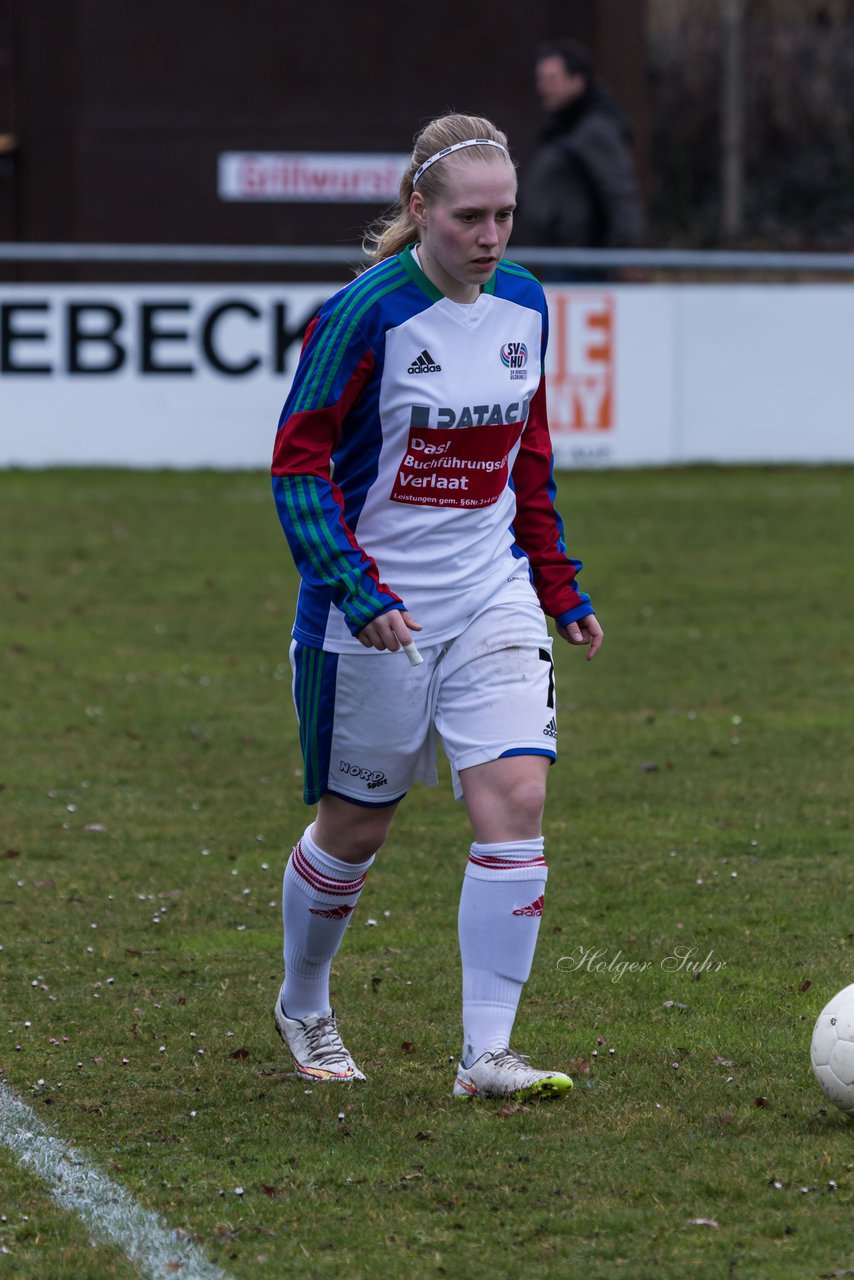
370 723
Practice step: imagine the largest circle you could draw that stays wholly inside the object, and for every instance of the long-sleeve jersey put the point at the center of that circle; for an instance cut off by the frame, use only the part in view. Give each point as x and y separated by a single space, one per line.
413 465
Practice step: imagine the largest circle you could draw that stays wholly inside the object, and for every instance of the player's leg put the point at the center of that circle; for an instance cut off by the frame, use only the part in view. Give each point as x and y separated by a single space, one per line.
357 768
323 879
322 883
497 714
498 930
501 906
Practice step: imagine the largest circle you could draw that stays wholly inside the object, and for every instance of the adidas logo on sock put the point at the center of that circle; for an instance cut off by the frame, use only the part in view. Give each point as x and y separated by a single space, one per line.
550 730
534 908
424 364
333 913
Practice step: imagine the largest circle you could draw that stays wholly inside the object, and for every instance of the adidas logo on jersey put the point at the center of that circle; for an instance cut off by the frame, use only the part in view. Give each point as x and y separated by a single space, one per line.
424 364
550 730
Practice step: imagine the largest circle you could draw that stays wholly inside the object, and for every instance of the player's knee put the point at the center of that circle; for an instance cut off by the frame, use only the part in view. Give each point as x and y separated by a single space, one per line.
365 840
530 799
351 832
523 800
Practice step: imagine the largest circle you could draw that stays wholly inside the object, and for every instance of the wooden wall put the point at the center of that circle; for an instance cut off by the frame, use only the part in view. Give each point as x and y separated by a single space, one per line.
119 109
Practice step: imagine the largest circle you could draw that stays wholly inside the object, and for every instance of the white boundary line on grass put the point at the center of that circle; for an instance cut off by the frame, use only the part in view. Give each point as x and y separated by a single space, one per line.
107 1209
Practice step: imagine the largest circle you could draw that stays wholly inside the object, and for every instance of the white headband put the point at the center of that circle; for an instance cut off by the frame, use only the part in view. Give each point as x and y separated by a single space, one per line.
470 142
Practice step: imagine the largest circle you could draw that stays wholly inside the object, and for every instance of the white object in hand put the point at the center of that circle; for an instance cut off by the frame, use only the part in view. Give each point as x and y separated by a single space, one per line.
412 653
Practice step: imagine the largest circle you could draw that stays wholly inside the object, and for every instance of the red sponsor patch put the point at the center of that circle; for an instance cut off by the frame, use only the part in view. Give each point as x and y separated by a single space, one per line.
466 467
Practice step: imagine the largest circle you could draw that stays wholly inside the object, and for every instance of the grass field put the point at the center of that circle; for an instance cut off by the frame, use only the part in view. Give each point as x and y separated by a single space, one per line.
699 819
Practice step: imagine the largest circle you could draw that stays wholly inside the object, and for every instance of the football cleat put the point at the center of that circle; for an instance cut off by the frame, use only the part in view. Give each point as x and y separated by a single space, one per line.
505 1074
316 1047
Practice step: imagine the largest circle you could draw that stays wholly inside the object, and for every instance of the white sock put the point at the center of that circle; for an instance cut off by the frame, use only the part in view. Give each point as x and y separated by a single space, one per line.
319 893
500 909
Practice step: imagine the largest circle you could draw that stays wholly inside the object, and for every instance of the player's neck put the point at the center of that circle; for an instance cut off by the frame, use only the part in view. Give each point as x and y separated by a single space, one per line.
456 290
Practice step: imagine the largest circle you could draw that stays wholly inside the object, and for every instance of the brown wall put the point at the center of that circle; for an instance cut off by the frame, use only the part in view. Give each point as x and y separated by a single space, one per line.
8 181
121 109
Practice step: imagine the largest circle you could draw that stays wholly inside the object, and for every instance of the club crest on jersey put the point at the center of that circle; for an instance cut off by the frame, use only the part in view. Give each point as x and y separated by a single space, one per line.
514 356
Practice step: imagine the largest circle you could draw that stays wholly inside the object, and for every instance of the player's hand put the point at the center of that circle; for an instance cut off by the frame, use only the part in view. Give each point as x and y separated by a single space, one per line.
389 631
585 631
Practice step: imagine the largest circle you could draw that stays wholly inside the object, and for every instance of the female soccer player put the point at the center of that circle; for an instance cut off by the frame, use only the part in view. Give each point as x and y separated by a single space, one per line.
413 478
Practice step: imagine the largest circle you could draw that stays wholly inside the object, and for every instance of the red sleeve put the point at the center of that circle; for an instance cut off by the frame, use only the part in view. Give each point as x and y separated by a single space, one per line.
538 527
305 441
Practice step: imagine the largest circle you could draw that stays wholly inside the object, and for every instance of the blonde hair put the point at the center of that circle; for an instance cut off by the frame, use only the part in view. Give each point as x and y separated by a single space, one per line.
396 229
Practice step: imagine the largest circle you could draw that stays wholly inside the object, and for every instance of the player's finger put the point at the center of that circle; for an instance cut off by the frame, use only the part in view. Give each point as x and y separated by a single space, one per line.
406 641
574 633
414 657
388 631
398 632
597 635
371 636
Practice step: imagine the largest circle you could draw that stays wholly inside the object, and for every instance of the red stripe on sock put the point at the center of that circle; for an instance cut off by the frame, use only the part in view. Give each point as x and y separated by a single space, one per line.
506 864
319 882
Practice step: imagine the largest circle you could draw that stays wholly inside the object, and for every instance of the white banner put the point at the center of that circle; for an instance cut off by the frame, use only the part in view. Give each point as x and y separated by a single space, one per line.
300 176
148 375
194 376
610 376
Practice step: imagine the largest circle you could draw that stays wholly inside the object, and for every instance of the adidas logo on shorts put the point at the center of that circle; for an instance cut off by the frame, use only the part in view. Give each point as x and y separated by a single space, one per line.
550 730
424 364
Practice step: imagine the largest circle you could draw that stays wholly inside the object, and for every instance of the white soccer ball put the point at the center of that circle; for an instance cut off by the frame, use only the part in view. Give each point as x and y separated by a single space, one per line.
832 1050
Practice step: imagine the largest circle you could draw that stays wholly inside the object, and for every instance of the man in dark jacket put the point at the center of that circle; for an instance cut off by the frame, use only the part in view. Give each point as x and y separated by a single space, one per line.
579 190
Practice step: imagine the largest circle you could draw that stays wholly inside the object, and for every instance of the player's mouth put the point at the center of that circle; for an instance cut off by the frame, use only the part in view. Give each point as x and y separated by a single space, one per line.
484 264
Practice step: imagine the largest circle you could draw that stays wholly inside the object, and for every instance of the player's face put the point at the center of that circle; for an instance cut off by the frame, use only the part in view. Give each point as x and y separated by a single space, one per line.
465 227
